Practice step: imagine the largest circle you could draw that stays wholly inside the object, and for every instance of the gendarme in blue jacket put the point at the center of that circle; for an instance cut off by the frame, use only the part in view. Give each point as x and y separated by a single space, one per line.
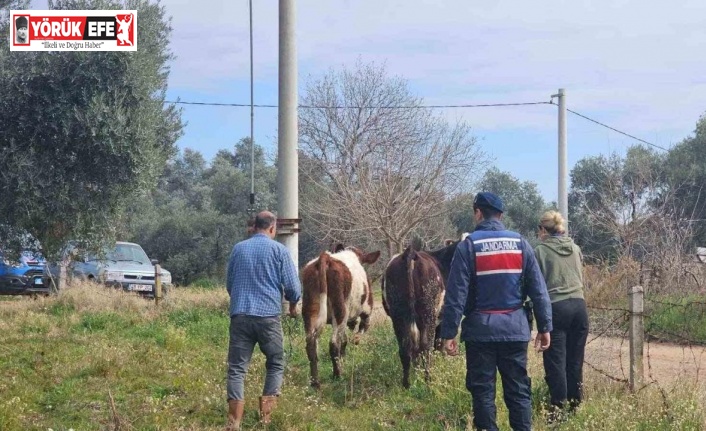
493 309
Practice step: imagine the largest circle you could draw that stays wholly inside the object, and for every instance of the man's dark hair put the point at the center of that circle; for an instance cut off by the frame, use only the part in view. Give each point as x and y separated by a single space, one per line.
488 213
264 221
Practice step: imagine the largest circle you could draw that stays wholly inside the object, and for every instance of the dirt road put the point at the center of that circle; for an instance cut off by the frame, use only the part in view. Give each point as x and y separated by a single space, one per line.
666 363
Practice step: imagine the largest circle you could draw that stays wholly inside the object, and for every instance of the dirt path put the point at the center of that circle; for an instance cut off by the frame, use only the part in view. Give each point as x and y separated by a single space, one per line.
663 362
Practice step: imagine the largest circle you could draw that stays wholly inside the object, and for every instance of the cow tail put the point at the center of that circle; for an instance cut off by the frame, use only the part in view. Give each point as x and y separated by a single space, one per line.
382 290
323 282
323 267
410 260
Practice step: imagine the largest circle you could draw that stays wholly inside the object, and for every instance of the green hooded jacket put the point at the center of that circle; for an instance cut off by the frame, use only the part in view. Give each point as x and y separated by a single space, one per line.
560 260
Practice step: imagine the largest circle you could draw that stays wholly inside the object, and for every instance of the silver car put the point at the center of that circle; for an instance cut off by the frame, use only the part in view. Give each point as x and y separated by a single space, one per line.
125 266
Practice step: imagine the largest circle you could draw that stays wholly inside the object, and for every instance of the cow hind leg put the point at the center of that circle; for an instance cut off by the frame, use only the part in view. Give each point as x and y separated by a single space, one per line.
311 352
426 343
338 339
352 325
406 358
438 344
364 325
408 352
426 359
344 343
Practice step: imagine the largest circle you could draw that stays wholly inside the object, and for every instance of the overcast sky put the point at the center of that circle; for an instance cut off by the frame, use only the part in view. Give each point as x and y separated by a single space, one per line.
637 65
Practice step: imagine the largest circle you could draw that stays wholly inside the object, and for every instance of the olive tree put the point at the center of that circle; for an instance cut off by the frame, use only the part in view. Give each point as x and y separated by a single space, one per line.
81 133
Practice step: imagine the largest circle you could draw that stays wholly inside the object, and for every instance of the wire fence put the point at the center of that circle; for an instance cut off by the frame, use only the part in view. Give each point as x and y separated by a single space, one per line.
655 339
606 344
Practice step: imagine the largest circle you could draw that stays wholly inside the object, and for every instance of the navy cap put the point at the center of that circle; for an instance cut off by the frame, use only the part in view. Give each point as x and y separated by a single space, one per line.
488 200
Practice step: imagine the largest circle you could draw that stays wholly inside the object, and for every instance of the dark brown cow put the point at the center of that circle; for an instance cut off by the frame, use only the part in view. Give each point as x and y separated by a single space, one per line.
413 294
336 290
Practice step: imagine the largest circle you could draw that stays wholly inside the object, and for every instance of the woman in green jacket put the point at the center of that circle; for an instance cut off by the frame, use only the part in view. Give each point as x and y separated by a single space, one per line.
560 260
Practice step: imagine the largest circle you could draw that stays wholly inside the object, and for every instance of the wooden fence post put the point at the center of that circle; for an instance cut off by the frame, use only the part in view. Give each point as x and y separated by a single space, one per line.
63 276
157 283
637 337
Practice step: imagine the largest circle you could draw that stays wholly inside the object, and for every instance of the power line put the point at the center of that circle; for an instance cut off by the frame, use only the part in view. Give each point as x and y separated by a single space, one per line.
479 105
616 130
243 105
237 105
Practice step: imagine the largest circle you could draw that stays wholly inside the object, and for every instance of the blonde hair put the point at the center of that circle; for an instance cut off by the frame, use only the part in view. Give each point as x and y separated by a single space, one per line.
553 222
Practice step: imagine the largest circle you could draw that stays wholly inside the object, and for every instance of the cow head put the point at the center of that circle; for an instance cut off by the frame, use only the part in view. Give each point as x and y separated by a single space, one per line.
448 242
445 255
368 258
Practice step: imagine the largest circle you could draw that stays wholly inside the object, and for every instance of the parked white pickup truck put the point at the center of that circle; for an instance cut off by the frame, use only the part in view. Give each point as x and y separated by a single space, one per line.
125 266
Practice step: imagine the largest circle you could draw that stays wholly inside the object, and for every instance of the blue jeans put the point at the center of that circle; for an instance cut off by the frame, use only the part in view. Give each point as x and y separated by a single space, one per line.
483 360
245 332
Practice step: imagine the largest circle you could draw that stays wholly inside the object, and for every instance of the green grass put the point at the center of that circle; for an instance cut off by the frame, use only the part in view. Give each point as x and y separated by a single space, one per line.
77 362
677 319
206 283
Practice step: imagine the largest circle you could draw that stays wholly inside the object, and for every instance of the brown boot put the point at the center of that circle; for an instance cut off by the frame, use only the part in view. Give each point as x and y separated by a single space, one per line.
267 404
236 409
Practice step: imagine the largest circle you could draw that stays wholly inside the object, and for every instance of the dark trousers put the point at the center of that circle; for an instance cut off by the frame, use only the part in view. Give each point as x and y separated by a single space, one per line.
563 361
245 332
483 361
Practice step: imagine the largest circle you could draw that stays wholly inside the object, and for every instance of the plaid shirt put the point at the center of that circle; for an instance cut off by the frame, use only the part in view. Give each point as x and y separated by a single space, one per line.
260 270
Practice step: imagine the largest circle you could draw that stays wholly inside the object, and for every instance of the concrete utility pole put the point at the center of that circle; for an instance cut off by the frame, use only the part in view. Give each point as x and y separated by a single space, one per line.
563 198
252 121
288 158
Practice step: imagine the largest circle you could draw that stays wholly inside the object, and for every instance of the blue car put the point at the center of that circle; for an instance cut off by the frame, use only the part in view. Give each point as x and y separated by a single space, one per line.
26 277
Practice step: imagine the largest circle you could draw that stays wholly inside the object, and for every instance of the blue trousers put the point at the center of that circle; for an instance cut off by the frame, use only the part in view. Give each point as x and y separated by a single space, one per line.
483 361
245 332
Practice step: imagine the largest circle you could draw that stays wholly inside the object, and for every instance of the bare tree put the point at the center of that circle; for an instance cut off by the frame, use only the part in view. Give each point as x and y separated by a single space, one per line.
378 166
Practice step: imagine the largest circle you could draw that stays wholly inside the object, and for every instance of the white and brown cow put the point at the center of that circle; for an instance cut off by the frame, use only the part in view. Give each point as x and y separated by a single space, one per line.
413 288
336 290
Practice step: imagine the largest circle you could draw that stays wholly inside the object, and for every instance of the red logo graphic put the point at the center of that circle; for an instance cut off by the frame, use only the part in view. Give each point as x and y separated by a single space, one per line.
126 30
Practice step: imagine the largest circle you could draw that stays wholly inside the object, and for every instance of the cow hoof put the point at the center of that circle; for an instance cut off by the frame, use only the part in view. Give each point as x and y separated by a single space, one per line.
406 385
316 385
356 339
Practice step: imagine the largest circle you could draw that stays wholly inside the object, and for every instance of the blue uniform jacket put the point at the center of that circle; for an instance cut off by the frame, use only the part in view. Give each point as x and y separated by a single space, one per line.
492 327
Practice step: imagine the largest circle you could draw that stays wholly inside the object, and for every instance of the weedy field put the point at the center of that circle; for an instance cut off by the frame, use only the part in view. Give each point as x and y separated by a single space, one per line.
97 359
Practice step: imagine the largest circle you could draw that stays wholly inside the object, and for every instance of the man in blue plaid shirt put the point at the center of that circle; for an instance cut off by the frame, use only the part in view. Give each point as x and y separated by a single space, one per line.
259 272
